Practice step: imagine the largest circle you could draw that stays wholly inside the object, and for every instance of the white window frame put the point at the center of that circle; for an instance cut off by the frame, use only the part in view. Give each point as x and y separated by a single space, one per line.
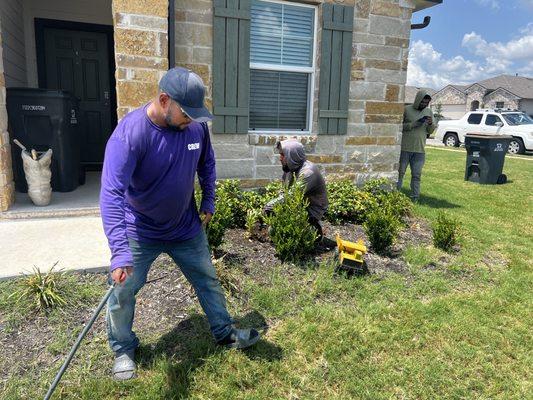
287 68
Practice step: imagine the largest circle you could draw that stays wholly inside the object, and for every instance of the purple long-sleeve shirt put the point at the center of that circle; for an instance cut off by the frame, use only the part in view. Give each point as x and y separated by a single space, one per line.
147 189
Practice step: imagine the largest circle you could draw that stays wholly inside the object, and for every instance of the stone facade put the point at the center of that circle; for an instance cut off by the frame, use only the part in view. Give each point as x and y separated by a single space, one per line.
7 188
377 89
449 95
509 100
454 100
475 97
141 50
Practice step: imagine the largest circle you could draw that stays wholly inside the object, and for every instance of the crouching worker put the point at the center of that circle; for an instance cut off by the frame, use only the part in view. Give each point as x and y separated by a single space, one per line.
296 166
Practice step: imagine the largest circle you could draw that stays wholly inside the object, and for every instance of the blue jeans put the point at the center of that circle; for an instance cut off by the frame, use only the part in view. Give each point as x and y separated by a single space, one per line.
194 259
416 161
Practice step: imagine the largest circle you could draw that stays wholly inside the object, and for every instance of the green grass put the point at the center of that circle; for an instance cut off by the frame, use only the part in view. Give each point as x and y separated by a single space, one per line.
459 330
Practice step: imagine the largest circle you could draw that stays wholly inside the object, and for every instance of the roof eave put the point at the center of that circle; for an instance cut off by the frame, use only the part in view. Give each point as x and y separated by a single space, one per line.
423 4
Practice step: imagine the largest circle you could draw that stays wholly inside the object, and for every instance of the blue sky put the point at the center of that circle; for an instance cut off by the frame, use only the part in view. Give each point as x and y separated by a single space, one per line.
471 40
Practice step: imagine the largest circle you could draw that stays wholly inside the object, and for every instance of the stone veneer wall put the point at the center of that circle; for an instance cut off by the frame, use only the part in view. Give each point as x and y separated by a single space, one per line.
141 50
449 95
377 90
7 188
509 100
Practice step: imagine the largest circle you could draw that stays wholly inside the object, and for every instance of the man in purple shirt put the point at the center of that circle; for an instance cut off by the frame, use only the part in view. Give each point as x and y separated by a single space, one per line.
148 208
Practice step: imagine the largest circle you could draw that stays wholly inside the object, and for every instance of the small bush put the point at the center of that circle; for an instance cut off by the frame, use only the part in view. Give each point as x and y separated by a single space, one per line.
290 232
231 192
271 191
381 227
397 203
445 232
347 203
41 289
378 187
221 221
252 201
253 219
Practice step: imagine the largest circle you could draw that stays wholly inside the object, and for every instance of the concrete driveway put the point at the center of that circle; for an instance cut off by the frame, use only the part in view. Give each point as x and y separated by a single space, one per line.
76 243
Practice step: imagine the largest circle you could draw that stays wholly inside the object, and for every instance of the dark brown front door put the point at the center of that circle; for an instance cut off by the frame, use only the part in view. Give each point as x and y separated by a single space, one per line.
78 61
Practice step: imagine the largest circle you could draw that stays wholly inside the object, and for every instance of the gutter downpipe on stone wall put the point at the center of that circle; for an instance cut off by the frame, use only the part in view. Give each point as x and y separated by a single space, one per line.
423 25
171 34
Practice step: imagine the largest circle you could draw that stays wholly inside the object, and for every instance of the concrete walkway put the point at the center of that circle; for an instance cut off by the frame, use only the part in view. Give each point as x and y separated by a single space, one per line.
75 242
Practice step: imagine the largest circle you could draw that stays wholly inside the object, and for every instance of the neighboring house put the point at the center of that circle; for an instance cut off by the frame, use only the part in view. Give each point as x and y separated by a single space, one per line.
504 91
331 73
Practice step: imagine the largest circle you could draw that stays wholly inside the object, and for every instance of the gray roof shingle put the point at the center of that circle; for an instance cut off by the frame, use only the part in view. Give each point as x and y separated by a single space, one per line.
521 86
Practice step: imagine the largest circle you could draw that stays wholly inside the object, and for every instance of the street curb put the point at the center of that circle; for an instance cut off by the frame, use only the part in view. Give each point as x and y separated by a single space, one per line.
89 270
74 212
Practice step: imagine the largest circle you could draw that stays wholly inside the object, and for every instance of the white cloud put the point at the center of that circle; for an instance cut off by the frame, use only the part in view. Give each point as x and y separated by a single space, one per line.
513 50
494 4
427 67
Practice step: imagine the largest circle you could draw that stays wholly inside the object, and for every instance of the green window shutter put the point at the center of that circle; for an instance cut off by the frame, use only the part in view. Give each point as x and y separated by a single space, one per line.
334 89
231 66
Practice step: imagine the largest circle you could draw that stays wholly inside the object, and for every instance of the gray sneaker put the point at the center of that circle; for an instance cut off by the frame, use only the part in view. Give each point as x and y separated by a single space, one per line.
240 338
124 366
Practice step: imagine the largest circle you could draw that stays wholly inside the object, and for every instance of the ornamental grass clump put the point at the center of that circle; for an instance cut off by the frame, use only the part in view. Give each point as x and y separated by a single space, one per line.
41 290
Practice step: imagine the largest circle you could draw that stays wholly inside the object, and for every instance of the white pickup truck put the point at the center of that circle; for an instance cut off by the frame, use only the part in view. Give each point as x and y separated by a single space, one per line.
490 122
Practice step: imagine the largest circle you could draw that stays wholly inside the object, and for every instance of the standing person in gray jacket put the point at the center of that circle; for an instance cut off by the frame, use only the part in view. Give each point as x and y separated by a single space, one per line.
417 126
295 165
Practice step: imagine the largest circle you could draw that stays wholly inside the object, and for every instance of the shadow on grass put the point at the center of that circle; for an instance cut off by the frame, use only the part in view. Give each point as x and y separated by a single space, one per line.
186 348
432 202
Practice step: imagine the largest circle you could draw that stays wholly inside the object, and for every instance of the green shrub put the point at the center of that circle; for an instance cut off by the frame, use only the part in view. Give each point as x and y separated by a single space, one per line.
378 187
41 289
290 232
221 221
445 232
253 219
347 203
397 203
271 191
230 191
252 201
381 227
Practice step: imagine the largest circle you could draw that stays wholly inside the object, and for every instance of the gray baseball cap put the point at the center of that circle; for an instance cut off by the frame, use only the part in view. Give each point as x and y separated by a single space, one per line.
187 89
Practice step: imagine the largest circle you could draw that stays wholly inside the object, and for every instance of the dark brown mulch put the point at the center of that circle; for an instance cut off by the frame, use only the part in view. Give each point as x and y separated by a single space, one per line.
168 299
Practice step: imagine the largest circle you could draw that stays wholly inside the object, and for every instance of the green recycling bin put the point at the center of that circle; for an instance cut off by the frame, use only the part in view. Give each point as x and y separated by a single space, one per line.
485 158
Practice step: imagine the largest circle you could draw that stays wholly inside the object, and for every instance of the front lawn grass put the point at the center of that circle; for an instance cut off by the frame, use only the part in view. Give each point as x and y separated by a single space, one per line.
458 326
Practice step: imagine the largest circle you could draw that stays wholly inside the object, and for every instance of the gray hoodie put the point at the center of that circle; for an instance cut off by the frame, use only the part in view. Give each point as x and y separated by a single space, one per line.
315 186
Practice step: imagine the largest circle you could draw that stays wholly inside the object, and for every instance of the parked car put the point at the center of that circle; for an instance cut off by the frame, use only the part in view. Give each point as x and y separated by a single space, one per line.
490 122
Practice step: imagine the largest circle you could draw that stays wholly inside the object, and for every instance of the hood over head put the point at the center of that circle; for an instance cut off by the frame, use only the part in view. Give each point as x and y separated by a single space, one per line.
419 97
294 153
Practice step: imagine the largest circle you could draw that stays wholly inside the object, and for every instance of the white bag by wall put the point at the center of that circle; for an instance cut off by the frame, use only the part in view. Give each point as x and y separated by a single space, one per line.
38 176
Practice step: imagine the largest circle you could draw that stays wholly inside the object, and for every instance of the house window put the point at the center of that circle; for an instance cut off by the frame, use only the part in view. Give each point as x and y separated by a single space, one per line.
500 104
282 66
475 119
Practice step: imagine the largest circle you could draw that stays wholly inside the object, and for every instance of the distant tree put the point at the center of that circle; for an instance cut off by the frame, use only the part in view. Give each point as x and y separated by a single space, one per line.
438 112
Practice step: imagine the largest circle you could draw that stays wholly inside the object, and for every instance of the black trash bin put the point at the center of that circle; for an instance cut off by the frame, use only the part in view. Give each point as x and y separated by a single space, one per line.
485 158
41 119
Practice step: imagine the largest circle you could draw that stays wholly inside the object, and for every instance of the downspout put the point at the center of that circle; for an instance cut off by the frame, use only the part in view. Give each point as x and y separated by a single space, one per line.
171 34
424 24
